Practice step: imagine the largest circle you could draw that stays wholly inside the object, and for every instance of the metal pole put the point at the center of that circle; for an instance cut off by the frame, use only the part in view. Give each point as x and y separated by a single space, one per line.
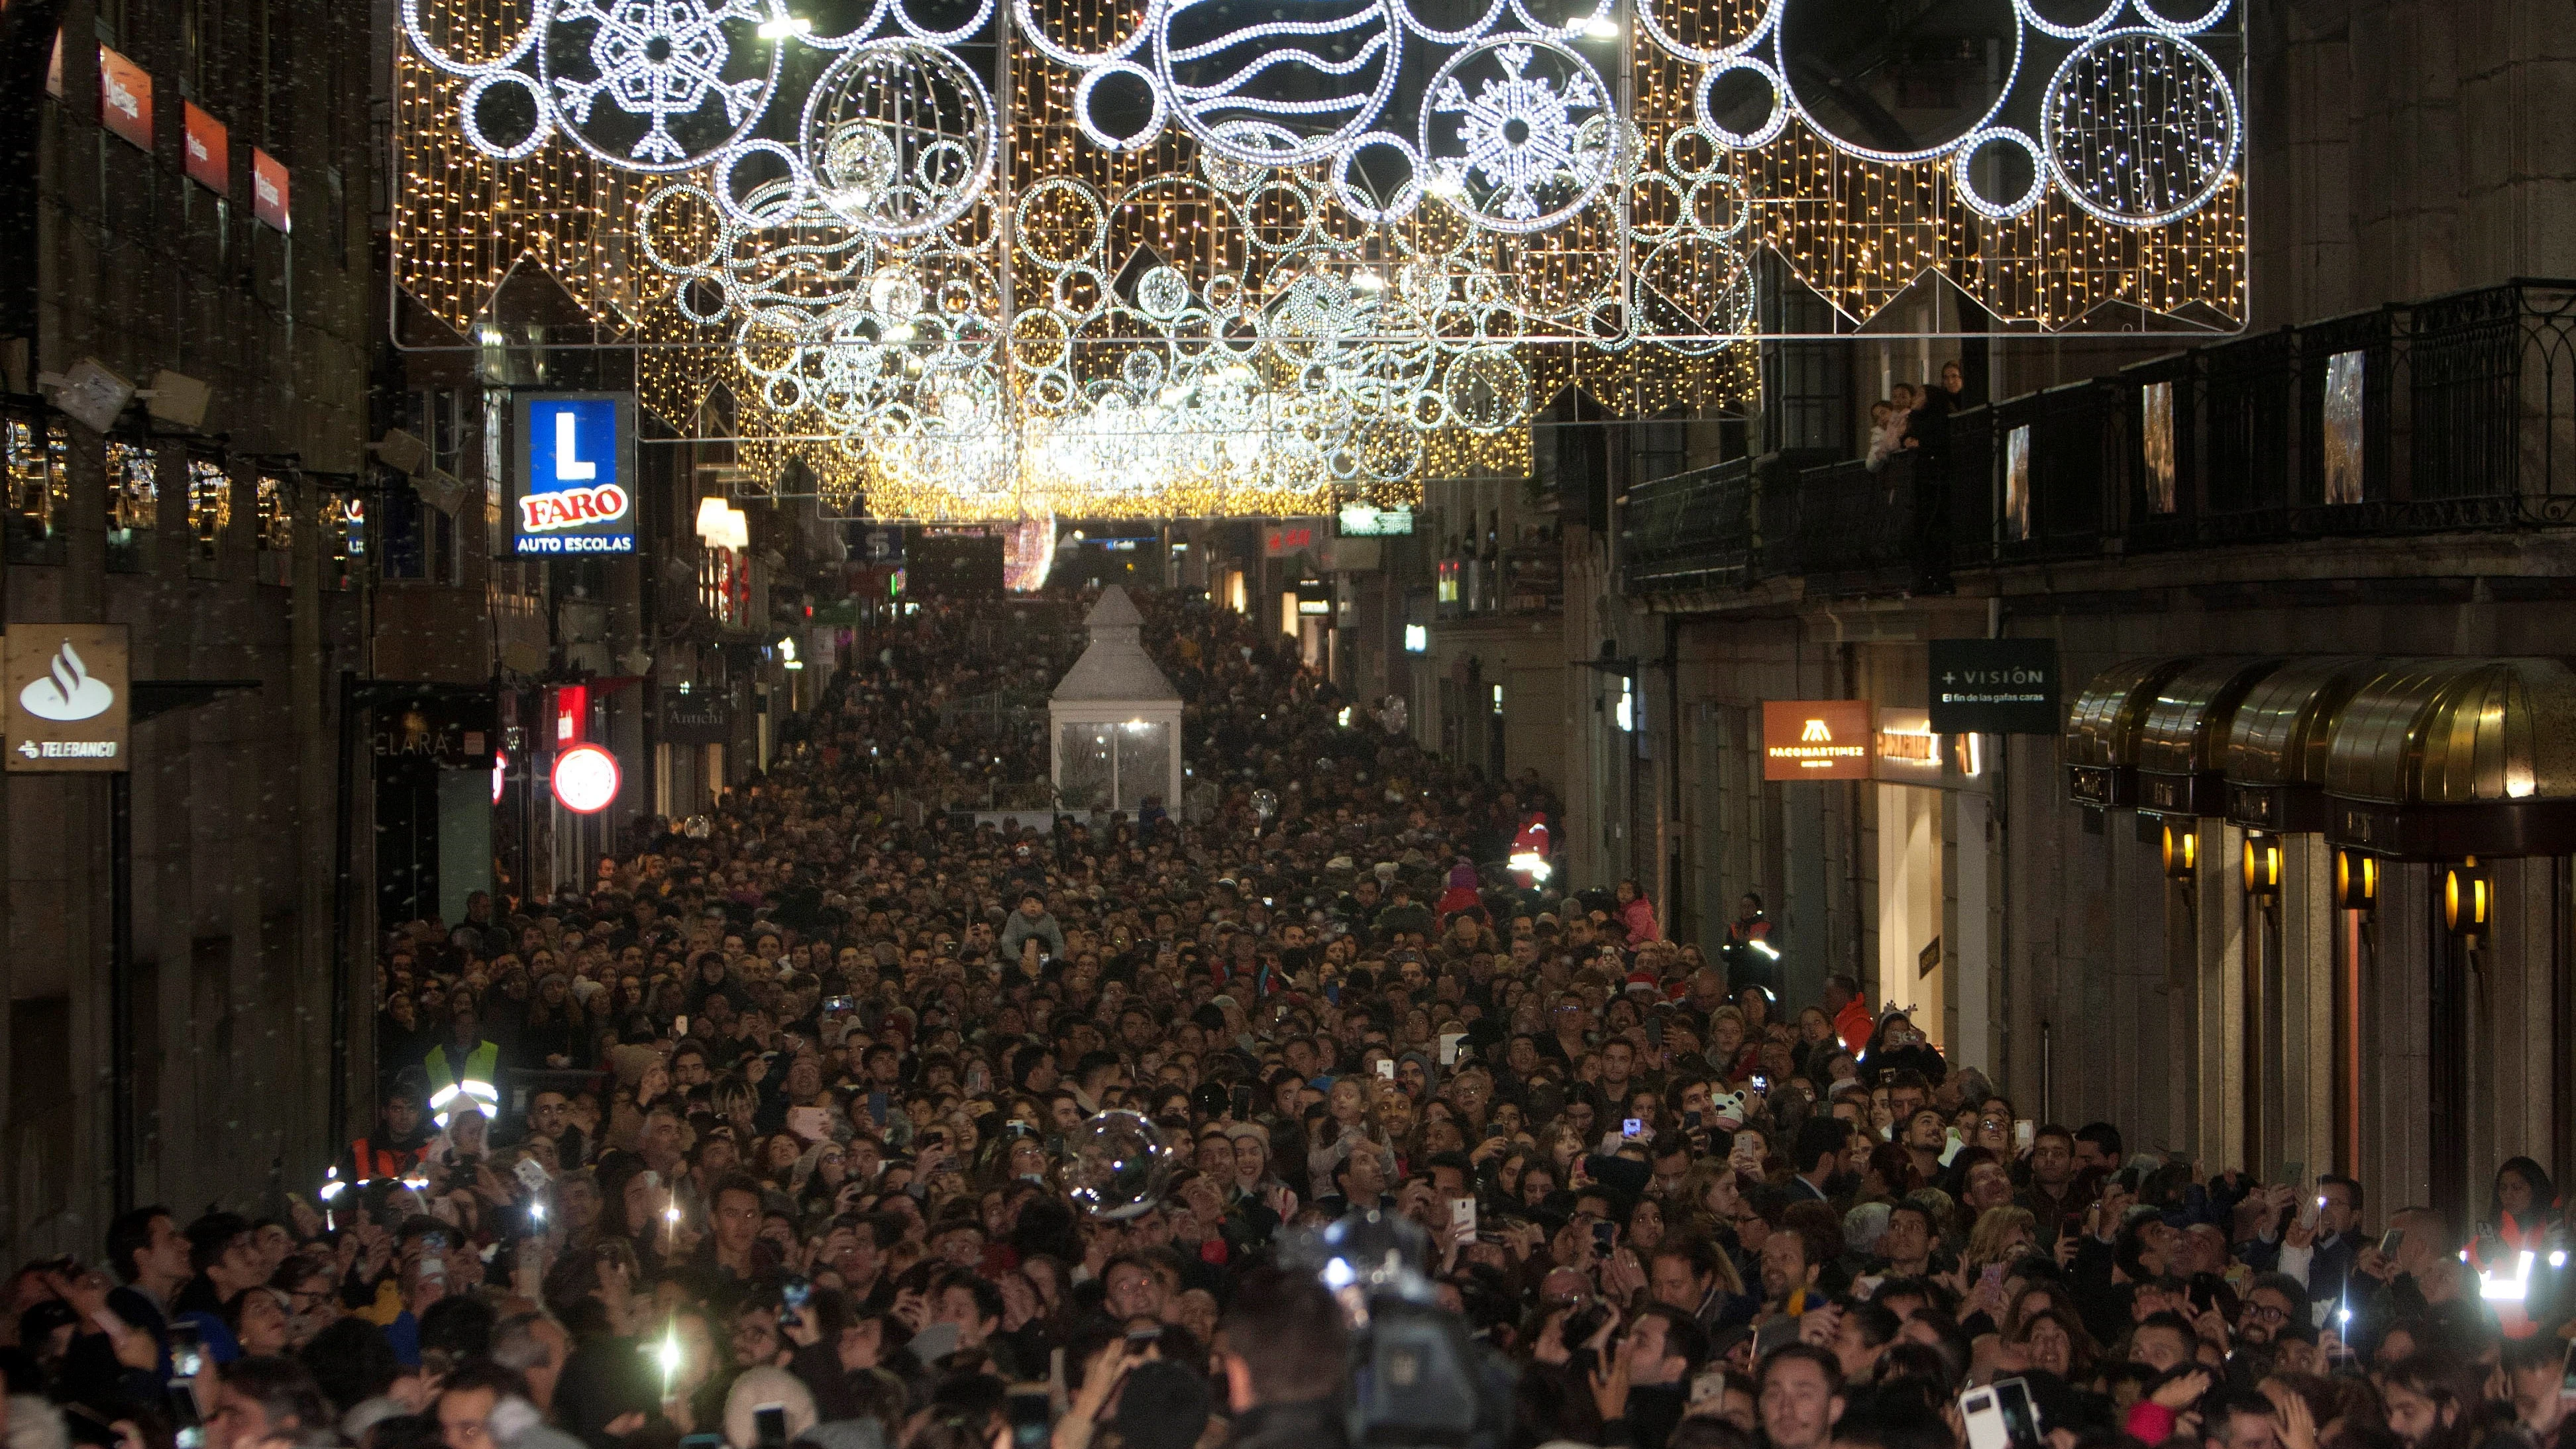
120 982
343 889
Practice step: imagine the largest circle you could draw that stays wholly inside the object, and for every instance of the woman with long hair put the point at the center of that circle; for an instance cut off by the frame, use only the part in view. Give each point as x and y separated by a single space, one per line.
2522 1205
2001 1235
555 1031
1888 1174
2522 1215
2436 1400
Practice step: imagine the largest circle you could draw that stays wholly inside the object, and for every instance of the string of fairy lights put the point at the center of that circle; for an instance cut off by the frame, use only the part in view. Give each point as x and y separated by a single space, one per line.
1194 257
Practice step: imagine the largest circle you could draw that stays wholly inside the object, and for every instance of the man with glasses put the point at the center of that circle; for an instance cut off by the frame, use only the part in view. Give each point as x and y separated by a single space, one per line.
2270 1306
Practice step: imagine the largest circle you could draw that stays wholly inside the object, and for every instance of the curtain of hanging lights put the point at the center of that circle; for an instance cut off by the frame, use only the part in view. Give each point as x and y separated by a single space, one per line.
1164 258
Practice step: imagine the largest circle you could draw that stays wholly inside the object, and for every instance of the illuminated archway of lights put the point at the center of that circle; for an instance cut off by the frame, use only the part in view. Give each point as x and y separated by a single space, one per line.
1207 256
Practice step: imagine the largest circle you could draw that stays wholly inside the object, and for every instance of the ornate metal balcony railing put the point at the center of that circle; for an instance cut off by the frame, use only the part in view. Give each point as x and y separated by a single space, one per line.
2447 415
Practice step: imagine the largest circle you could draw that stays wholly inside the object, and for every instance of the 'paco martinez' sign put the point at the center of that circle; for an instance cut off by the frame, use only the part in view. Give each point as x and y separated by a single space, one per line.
1818 739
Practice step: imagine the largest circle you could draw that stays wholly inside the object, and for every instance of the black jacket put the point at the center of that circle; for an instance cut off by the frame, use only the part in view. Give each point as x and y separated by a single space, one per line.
1307 1424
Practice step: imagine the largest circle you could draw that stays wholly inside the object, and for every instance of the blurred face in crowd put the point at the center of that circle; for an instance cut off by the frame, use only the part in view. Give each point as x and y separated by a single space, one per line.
1798 1404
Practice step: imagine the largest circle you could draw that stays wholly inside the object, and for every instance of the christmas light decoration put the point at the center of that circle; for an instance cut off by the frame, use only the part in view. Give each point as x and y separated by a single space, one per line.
1156 257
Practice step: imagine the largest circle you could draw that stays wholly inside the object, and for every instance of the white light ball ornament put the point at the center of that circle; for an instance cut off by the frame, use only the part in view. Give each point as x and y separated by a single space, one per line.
586 779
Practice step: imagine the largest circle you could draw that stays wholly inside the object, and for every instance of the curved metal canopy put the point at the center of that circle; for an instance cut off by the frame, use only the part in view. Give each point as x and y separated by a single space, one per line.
2103 732
2183 740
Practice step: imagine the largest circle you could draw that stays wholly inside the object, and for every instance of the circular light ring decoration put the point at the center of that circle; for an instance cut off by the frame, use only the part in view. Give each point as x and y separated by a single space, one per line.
1579 26
472 126
1773 123
1520 135
1046 190
971 30
855 35
1739 205
654 63
586 779
2110 11
1162 293
1289 192
1657 206
1248 51
1414 22
1486 390
2194 26
741 211
1977 201
1153 128
2165 142
1361 203
438 59
1850 147
1676 157
899 137
1072 283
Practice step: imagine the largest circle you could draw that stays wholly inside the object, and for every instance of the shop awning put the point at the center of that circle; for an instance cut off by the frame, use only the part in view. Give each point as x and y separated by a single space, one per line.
2183 741
2437 759
2275 756
2103 731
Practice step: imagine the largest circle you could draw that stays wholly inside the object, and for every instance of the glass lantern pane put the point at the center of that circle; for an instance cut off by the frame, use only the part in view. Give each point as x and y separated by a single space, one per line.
1083 762
1144 761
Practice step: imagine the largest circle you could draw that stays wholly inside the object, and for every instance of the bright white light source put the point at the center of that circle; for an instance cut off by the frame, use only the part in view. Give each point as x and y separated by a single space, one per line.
785 27
586 779
2498 1289
1417 638
1601 27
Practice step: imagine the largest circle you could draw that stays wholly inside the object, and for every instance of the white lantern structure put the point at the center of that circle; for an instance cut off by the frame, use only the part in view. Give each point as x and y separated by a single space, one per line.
1114 721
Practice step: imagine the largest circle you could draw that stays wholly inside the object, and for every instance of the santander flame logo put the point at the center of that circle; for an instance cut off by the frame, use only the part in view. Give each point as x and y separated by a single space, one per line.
67 692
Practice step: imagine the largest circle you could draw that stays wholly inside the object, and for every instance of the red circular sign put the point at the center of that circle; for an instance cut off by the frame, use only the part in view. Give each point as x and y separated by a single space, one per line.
586 779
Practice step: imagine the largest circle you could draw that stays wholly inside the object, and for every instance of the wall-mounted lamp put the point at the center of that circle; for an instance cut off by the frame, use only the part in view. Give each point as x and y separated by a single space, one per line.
2262 866
2468 898
2356 881
2181 850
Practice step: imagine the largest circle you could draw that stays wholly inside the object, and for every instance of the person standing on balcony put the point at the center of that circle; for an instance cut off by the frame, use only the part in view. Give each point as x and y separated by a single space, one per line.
1638 914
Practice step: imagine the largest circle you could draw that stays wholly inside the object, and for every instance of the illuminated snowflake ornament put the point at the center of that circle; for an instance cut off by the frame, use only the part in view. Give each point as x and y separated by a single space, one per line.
682 79
1514 133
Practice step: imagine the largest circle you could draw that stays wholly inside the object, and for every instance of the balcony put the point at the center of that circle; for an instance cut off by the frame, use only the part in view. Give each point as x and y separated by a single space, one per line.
2449 415
1830 521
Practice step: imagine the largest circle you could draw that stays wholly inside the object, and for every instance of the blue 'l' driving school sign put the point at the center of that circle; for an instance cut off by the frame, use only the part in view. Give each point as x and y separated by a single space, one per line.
575 490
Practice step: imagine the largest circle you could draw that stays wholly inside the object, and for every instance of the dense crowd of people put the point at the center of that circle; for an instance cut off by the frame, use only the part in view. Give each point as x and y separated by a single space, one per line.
1312 1109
